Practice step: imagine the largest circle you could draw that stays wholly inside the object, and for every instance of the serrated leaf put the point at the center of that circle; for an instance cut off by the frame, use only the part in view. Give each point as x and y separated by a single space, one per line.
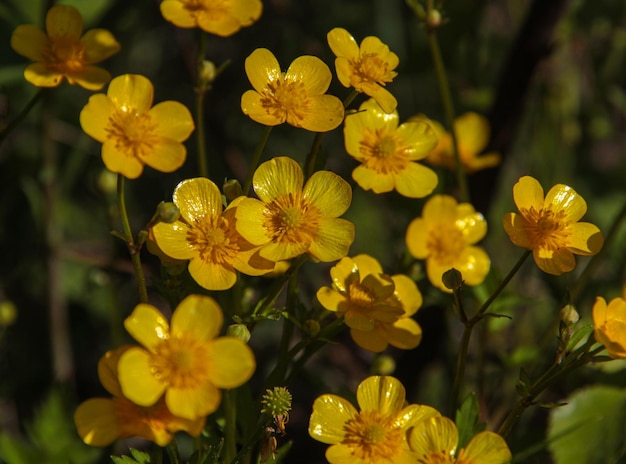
140 456
467 420
589 430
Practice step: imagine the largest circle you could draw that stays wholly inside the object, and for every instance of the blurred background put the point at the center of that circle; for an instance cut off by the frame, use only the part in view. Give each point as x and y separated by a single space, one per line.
551 78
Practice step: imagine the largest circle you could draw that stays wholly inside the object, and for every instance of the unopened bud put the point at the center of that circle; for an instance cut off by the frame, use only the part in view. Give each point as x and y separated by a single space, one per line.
433 19
232 189
311 327
207 73
168 212
8 313
383 365
107 182
452 279
239 331
569 315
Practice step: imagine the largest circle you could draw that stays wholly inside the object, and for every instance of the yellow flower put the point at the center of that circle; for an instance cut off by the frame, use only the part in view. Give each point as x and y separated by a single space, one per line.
435 441
549 227
472 135
101 421
207 237
296 96
61 52
367 68
374 435
289 220
444 236
134 133
387 151
186 363
220 17
376 307
610 325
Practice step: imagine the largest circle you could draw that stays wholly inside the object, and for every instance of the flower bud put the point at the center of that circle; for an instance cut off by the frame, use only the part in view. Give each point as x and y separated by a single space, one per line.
107 182
311 327
168 212
8 313
239 331
383 365
569 315
207 73
452 279
232 189
433 19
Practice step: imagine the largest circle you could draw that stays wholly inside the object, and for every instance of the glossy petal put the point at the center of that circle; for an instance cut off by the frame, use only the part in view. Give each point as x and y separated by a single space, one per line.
405 333
131 92
64 21
585 239
120 162
564 198
471 223
29 41
370 179
434 435
345 273
262 67
407 293
107 369
375 46
147 325
330 299
516 228
212 276
381 393
198 317
474 264
278 176
252 106
486 448
418 137
250 221
554 262
312 72
175 12
472 129
528 193
333 240
414 413
342 43
94 117
417 238
166 155
323 113
416 181
137 379
382 96
96 422
173 120
99 44
172 240
198 198
224 25
91 77
329 193
193 403
330 414
232 362
371 340
40 75
367 264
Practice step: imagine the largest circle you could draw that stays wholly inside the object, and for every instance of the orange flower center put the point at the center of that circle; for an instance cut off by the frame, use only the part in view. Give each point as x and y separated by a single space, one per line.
445 243
132 132
373 436
181 362
383 152
438 457
361 296
214 239
285 100
546 229
371 68
65 56
214 10
291 219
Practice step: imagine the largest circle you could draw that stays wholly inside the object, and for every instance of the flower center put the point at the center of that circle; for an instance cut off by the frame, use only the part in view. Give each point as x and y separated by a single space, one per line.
215 241
285 100
65 55
547 229
438 457
291 219
445 243
181 362
373 436
383 152
133 133
214 10
370 67
360 296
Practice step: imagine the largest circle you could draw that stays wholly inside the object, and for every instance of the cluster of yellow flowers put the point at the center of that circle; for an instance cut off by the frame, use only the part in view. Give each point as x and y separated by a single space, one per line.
171 381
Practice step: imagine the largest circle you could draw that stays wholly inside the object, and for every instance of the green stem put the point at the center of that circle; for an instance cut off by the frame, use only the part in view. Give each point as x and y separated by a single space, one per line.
596 260
448 107
172 452
20 117
130 241
201 89
256 158
230 426
270 298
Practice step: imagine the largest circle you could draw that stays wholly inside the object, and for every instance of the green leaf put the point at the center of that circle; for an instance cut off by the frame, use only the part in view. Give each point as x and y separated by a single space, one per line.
589 430
467 420
139 457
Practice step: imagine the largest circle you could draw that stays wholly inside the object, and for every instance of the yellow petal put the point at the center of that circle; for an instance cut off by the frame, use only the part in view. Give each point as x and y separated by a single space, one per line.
367 264
262 68
381 393
554 262
166 155
231 362
474 264
246 11
600 315
344 71
383 97
131 92
345 273
278 176
212 276
197 199
250 221
565 199
434 271
64 21
371 179
434 436
252 106
173 120
91 78
322 113
416 181
373 45
333 240
370 340
172 240
342 43
486 448
416 238
584 239
418 138
96 422
516 228
343 454
176 12
29 41
330 414
359 322
40 75
528 193
472 131
223 25
440 209
107 369
147 325
198 317
330 299
329 193
407 293
405 334
414 413
472 224
192 403
136 374
99 44
120 162
312 72
94 117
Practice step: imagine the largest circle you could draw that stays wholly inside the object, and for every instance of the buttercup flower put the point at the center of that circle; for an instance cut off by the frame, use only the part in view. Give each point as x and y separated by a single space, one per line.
374 435
444 236
610 325
387 151
296 96
289 220
220 17
435 440
549 226
101 421
367 68
376 307
472 135
61 52
184 362
134 133
207 237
